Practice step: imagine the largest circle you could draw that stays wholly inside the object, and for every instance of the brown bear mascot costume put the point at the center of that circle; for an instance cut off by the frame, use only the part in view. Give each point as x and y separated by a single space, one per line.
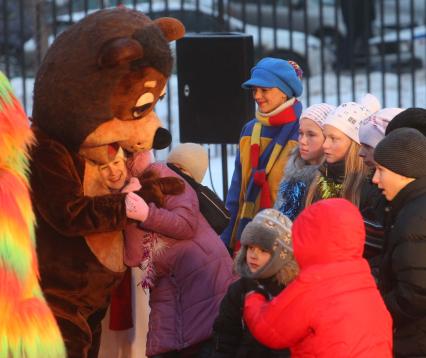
96 89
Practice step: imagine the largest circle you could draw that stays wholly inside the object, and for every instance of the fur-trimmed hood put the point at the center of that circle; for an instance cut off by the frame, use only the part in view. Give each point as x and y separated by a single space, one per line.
284 276
297 169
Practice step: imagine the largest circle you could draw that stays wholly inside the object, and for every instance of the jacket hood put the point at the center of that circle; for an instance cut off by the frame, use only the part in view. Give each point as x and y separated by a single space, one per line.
328 231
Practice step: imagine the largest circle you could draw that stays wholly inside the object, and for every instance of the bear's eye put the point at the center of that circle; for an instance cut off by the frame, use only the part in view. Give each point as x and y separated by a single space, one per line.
138 111
142 104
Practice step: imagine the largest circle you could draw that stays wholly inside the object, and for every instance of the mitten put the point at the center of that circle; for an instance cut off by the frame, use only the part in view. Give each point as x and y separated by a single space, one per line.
136 207
133 185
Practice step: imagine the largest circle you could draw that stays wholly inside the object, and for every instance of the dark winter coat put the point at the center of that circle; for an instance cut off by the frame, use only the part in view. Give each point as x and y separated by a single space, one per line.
232 339
403 270
373 209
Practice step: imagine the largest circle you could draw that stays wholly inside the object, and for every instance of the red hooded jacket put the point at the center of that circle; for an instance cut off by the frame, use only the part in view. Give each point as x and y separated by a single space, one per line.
333 308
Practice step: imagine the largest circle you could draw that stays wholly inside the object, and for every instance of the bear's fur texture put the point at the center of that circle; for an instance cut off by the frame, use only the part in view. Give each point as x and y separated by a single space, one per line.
97 85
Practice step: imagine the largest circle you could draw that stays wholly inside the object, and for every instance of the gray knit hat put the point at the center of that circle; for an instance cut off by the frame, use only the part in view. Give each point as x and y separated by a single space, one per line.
271 231
403 151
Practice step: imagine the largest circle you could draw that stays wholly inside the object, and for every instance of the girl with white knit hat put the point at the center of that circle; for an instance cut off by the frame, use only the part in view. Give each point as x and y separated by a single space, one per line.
343 173
372 131
304 161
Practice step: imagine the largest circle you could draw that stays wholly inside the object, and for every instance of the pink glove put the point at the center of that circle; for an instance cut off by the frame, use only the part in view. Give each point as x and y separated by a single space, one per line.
136 207
133 185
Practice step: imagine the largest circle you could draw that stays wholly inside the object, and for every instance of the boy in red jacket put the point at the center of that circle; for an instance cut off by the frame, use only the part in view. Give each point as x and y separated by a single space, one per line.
333 308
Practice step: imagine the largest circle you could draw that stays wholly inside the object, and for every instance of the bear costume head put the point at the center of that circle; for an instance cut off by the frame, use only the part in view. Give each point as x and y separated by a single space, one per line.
101 78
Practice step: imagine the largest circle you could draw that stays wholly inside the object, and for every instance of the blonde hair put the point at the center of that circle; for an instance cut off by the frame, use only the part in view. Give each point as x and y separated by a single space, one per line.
355 173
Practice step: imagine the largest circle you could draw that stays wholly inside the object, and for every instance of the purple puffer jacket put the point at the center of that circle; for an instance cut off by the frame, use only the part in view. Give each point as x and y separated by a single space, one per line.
192 275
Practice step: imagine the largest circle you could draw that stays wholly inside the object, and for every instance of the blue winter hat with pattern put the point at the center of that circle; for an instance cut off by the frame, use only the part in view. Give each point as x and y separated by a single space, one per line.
274 72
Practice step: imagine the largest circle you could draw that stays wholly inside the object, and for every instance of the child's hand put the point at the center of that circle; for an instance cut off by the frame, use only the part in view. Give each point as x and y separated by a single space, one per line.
133 185
262 290
136 207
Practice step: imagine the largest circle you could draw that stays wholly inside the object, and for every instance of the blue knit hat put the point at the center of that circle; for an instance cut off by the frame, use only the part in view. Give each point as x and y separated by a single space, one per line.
274 72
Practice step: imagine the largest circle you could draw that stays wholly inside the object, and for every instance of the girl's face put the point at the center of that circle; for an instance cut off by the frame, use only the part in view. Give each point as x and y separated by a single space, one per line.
268 99
311 140
256 257
336 144
390 182
366 152
114 174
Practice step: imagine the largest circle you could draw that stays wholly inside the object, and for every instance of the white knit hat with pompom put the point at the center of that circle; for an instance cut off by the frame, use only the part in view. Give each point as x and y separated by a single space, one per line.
348 116
192 158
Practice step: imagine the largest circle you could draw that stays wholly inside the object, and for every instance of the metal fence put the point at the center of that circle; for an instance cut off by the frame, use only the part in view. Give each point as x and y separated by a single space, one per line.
346 47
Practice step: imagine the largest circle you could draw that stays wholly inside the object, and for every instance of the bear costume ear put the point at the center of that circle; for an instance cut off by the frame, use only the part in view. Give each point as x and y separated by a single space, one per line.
171 28
118 51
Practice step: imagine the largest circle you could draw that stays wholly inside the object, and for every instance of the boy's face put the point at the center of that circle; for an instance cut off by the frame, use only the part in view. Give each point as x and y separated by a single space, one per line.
389 181
114 174
256 257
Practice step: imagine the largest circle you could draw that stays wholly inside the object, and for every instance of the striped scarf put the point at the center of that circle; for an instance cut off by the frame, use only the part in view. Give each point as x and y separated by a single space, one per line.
262 164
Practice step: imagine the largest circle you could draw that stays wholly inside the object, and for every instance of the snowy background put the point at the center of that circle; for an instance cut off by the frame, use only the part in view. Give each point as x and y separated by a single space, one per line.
213 177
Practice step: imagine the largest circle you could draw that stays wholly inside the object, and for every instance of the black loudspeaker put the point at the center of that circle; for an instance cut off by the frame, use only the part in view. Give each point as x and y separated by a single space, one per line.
211 68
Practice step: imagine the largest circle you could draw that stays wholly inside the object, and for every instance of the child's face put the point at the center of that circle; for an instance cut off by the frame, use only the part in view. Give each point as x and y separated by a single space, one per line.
256 257
389 181
367 154
336 144
114 174
311 140
268 99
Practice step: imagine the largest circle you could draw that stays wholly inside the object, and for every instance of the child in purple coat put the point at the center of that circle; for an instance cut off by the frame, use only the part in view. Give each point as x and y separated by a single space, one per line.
187 266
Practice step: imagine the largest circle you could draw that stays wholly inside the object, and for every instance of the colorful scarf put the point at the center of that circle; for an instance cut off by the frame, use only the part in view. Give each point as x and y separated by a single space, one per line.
262 164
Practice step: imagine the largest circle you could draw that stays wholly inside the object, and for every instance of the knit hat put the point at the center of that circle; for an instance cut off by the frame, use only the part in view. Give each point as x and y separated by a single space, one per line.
403 151
371 102
274 72
410 118
348 116
373 128
318 113
191 157
270 230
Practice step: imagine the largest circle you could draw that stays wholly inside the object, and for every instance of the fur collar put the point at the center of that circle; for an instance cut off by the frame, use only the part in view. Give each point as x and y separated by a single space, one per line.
297 169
